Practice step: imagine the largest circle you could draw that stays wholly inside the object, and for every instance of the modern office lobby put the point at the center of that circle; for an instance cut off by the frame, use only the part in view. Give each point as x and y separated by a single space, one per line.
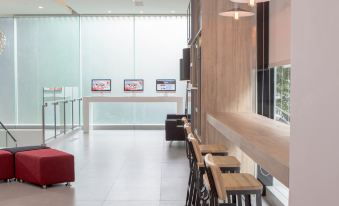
169 102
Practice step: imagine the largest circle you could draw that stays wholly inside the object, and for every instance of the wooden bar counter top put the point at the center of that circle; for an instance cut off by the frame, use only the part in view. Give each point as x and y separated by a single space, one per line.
264 140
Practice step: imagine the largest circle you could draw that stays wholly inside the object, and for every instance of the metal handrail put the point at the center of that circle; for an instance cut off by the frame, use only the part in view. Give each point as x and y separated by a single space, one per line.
54 104
9 133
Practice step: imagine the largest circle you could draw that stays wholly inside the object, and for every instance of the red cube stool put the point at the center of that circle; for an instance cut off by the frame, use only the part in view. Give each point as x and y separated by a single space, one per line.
44 167
6 165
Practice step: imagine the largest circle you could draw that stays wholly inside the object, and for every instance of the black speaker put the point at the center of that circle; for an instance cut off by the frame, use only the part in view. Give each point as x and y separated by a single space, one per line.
185 63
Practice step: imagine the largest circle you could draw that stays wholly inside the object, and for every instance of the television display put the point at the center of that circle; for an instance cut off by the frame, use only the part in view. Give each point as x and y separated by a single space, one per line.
101 85
166 85
133 85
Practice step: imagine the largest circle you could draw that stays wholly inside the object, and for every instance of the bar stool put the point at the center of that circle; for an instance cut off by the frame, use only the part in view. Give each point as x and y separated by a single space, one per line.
224 186
215 149
195 192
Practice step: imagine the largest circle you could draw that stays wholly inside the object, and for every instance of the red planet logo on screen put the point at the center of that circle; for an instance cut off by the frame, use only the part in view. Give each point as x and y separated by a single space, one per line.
134 85
101 85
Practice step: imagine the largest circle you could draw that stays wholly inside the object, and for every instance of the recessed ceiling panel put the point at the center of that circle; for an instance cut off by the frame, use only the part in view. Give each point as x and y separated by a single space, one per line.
10 7
129 6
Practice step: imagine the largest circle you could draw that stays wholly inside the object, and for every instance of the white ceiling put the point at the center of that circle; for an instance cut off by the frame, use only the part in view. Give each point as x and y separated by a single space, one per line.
10 7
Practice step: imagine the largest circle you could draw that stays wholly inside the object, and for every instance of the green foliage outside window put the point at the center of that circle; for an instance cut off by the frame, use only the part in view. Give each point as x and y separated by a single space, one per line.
282 93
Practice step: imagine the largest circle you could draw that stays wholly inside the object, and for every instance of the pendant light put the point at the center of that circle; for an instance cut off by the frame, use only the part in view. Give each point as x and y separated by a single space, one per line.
236 13
252 3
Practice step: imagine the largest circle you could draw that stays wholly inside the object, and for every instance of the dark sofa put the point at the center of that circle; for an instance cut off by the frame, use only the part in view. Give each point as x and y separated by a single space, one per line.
174 128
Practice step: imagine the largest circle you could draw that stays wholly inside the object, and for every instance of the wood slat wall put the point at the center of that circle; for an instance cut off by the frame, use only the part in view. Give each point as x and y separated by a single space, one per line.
228 70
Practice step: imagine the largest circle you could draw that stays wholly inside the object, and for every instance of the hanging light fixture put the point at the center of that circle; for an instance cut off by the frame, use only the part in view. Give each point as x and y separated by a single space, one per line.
236 13
252 3
2 42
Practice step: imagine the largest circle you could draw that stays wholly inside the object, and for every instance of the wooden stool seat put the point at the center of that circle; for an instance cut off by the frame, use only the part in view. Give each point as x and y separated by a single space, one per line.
231 187
240 181
213 149
224 162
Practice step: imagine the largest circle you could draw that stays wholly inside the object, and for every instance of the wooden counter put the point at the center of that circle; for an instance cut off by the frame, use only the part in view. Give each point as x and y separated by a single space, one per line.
265 140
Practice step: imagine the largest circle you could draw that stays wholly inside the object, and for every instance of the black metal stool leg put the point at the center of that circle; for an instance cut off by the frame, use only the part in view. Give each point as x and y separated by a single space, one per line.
239 200
188 188
247 200
191 193
233 198
258 199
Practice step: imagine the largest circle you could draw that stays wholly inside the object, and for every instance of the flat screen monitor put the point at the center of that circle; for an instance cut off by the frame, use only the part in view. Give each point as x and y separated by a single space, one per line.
101 85
168 85
133 85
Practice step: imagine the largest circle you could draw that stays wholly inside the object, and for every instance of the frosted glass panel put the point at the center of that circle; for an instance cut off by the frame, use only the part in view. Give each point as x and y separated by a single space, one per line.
48 56
7 83
159 44
121 48
67 51
107 53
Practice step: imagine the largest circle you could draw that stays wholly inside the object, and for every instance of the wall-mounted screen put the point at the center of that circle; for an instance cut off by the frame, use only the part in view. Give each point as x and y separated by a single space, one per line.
101 85
168 85
133 85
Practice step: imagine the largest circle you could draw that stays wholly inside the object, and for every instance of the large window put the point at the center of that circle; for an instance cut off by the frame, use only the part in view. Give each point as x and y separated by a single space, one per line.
274 88
282 93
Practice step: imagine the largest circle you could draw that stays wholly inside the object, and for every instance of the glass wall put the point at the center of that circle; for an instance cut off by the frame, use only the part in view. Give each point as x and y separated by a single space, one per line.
47 56
68 51
107 53
158 47
7 73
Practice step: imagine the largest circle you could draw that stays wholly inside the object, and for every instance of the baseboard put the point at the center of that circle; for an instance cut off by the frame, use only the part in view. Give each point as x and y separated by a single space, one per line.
272 199
97 127
130 127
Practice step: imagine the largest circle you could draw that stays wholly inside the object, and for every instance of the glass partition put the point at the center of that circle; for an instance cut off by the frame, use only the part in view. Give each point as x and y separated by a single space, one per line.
48 51
60 110
7 73
47 56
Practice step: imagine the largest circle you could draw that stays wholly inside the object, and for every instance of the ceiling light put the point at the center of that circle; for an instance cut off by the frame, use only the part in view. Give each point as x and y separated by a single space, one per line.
250 2
40 7
172 12
236 13
141 12
109 11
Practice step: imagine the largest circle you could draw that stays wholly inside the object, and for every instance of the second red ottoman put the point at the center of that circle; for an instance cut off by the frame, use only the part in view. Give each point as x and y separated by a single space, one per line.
44 167
6 165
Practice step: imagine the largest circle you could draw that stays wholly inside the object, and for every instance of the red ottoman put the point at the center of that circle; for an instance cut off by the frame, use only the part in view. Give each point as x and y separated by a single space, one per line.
44 167
6 165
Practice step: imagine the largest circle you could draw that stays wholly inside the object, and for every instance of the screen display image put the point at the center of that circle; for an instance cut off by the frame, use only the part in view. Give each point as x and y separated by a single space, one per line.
166 84
133 85
101 85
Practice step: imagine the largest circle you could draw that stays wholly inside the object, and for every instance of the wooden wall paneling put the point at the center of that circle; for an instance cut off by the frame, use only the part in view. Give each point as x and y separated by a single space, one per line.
209 58
228 70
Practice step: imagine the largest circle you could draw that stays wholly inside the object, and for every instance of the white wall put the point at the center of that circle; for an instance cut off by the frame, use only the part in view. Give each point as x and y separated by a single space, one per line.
314 153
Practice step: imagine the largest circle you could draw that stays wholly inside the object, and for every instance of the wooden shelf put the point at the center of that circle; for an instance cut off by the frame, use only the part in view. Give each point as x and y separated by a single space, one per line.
265 140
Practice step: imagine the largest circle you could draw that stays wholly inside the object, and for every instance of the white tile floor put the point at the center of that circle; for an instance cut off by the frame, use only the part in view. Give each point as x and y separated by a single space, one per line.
120 168
113 168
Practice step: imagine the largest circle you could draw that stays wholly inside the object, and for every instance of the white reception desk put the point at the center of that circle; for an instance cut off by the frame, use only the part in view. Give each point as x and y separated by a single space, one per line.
88 100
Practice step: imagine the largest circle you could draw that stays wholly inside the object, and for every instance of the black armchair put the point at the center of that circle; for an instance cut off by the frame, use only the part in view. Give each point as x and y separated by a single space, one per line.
174 128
